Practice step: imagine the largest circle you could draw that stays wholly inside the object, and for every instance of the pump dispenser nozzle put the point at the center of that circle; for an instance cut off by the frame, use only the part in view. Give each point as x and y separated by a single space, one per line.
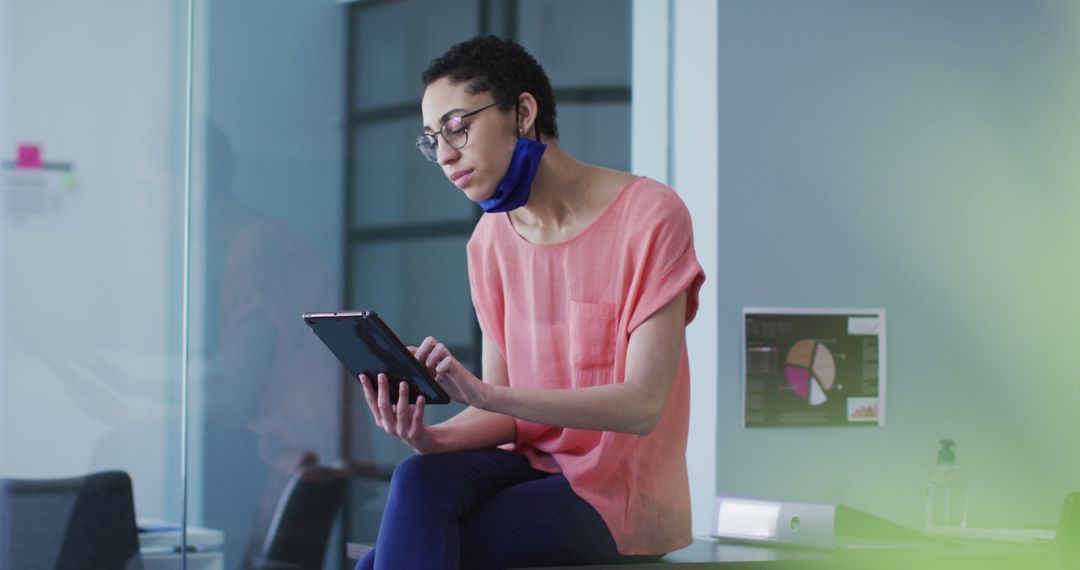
946 491
946 455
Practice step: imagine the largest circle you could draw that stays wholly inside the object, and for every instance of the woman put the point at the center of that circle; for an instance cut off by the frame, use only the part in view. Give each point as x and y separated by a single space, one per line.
572 448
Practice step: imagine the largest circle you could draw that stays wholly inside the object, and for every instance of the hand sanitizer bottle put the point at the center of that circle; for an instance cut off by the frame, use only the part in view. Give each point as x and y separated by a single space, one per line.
946 491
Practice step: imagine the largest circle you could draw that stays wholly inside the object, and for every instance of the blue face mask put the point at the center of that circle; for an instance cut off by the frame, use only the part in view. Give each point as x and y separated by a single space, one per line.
513 190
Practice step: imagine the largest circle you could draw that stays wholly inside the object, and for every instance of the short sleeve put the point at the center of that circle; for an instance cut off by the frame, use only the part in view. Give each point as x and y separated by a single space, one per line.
668 264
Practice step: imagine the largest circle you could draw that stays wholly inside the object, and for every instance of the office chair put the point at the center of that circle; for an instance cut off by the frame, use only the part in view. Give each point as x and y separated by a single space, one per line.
297 514
69 524
281 473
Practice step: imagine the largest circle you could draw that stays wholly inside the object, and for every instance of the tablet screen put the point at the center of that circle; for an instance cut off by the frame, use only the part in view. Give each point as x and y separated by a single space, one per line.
365 344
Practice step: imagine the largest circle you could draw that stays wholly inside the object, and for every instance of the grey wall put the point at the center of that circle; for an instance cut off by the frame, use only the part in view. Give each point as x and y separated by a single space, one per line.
921 157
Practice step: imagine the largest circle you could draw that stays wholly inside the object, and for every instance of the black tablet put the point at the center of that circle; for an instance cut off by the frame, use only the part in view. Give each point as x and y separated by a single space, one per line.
364 344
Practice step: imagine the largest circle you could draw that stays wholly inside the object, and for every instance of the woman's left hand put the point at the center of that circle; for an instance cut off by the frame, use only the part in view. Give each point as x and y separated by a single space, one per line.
460 384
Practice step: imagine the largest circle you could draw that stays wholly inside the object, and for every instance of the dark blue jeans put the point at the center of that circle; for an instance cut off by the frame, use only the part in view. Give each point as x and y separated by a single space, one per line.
483 509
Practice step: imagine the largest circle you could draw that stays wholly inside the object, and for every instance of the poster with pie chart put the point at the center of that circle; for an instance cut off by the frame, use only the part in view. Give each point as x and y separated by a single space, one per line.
813 367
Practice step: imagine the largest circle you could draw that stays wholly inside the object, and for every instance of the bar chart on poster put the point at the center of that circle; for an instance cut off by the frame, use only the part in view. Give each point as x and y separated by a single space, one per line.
813 367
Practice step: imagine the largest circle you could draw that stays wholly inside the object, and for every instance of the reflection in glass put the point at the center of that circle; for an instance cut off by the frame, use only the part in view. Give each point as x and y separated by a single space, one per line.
267 247
272 390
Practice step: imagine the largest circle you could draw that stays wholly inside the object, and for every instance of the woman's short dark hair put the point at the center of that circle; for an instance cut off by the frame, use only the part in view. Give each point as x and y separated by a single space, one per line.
504 68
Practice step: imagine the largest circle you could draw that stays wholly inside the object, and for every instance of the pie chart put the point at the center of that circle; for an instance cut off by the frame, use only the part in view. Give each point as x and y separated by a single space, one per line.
810 370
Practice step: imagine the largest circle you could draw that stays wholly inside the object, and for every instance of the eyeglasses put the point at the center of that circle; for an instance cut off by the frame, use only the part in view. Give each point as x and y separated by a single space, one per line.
453 131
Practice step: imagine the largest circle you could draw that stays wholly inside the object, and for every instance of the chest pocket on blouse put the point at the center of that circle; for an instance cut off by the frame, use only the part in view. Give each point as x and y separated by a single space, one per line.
592 334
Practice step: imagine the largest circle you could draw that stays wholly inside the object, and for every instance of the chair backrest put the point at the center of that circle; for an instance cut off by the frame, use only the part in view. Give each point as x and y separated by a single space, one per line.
301 523
281 473
69 524
299 504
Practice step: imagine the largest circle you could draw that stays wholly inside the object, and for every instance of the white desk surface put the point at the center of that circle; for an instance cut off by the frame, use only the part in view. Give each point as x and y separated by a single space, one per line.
156 533
159 545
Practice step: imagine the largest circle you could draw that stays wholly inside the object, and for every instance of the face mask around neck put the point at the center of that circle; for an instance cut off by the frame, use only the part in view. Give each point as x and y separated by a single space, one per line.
514 188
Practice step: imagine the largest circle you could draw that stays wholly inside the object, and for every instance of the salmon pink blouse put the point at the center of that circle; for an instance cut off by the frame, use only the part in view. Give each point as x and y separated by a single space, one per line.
562 315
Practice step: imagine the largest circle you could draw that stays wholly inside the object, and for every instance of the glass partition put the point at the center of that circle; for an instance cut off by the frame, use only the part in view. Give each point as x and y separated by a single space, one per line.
162 233
100 256
267 231
91 272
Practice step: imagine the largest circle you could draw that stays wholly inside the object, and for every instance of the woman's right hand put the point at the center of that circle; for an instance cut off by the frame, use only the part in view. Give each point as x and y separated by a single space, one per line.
402 420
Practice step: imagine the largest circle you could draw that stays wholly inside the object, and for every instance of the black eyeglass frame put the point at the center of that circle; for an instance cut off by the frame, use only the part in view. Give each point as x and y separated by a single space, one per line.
428 145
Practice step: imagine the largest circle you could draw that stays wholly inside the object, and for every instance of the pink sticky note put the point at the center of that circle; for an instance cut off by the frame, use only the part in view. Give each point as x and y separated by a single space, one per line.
29 156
